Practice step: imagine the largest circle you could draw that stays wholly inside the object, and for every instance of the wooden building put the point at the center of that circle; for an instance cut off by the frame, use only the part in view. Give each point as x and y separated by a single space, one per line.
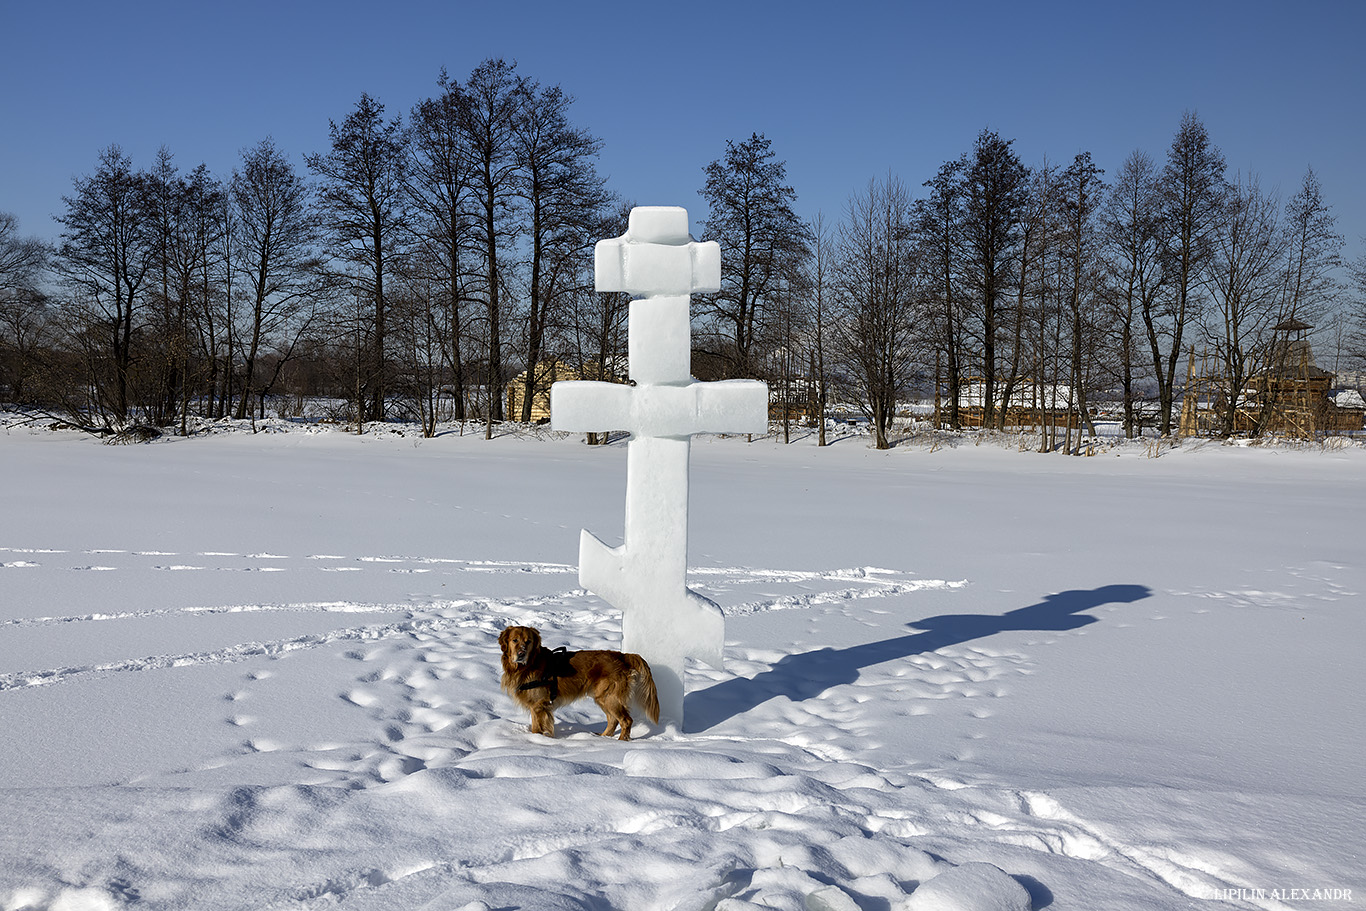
1288 396
1032 404
547 373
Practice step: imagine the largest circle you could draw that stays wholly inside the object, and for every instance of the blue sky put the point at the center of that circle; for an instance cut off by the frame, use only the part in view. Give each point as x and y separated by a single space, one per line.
846 91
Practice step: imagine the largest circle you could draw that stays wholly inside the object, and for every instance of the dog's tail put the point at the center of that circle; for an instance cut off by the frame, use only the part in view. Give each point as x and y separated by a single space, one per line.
643 686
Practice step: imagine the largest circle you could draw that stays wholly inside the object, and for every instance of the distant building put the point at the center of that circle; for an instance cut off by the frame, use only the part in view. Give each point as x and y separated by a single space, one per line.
547 373
1032 403
1289 396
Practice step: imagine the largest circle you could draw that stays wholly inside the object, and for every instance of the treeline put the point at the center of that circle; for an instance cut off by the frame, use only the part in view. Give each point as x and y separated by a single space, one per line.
422 262
413 267
1015 294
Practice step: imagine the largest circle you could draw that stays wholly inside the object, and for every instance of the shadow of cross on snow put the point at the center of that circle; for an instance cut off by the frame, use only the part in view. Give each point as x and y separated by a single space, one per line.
808 675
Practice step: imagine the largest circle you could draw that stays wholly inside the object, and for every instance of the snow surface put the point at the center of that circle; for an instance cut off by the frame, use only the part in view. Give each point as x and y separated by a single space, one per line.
249 672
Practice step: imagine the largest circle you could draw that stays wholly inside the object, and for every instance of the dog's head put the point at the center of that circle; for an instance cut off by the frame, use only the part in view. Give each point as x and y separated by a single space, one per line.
519 645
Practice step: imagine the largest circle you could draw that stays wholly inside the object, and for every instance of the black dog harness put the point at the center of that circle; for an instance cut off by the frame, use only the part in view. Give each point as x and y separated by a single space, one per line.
559 667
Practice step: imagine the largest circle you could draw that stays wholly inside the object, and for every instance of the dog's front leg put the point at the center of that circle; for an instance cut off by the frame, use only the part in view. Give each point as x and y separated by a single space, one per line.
543 719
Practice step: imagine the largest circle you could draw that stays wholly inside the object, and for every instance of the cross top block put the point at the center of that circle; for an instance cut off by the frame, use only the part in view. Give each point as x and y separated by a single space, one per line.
657 257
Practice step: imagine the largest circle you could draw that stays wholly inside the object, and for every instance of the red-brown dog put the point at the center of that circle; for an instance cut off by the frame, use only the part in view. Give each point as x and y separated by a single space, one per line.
543 680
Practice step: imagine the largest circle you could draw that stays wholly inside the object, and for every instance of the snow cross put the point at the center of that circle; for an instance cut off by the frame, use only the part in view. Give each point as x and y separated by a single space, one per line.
662 619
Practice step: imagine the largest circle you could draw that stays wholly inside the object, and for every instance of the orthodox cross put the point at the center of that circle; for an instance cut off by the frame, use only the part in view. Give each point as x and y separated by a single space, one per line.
662 619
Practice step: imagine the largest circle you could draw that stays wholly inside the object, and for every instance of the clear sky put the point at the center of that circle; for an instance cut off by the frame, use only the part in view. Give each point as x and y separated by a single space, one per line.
847 90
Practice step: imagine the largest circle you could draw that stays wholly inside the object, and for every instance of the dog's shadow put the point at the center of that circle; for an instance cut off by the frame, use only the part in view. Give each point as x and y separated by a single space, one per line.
809 674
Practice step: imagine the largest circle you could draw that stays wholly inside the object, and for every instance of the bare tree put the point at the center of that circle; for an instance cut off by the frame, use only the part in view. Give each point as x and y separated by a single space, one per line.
275 250
206 221
440 179
878 298
763 244
25 335
1313 254
106 259
818 285
995 193
1132 239
1054 394
166 199
490 108
1034 288
1354 342
562 196
420 339
598 322
364 206
21 258
939 222
1043 283
1192 190
187 217
1245 281
1081 193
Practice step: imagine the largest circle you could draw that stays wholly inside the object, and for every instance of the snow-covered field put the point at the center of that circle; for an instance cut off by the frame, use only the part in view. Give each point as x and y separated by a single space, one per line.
251 672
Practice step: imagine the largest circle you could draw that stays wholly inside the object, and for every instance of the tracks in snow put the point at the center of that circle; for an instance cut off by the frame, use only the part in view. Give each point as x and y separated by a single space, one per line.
784 590
226 561
425 681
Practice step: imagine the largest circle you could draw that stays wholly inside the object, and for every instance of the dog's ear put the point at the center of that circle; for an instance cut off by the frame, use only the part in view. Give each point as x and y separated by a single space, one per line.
503 639
535 639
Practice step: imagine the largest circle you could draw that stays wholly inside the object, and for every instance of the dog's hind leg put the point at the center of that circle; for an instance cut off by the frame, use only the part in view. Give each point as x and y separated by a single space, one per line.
618 712
626 722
